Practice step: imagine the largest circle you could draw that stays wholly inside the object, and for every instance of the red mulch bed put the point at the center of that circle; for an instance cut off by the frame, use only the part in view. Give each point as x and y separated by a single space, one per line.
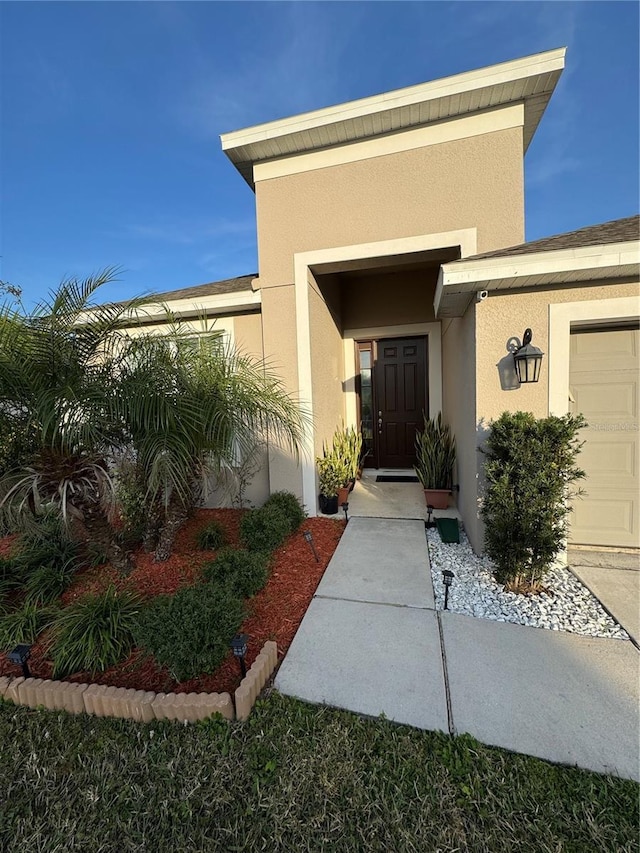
274 613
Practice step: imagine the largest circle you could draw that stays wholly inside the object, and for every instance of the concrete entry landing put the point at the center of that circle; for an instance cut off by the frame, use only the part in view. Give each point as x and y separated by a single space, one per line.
390 500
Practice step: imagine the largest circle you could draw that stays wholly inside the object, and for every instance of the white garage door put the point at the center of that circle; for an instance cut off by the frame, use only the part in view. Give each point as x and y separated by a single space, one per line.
604 385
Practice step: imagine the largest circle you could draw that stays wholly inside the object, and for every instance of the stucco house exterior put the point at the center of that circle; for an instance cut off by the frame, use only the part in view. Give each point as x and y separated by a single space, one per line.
393 275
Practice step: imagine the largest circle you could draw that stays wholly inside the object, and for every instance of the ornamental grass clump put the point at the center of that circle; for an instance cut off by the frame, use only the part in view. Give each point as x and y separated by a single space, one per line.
530 468
95 632
24 624
211 537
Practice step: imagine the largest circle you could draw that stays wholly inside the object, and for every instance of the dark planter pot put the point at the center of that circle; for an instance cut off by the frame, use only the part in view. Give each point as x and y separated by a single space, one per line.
328 506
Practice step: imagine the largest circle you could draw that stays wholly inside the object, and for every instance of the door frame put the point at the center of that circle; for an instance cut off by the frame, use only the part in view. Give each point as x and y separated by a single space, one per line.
375 378
432 332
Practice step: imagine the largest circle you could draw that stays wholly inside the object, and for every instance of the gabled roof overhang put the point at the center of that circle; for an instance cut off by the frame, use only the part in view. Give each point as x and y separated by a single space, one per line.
530 80
459 281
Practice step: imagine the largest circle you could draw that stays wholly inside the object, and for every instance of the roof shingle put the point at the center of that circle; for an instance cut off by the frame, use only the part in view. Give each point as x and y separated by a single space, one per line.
213 288
615 231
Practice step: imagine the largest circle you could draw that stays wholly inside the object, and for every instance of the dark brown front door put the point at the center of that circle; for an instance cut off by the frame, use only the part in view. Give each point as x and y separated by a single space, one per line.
400 369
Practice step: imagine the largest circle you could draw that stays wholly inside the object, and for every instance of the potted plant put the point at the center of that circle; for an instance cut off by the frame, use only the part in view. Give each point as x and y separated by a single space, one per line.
347 448
330 475
436 455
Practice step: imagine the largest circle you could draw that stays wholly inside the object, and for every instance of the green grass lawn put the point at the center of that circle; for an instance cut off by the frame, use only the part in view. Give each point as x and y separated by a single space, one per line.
296 778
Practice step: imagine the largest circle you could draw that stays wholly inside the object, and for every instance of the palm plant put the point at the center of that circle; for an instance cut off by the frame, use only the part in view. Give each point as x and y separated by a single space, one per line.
59 375
193 407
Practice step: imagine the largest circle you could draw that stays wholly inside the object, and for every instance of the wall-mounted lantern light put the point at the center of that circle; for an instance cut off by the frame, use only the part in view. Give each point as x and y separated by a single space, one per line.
527 360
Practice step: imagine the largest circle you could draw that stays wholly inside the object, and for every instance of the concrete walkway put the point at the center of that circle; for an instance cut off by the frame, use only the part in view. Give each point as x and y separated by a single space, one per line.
371 642
619 592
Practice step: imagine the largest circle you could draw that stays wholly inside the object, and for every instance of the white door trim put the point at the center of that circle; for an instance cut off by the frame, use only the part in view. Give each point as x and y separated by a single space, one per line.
465 238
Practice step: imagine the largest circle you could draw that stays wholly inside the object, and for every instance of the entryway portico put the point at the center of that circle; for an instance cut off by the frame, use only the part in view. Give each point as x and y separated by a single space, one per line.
333 286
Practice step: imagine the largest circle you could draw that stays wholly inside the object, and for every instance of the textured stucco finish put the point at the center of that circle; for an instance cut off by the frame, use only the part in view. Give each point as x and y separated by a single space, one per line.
474 182
503 316
388 298
459 411
327 361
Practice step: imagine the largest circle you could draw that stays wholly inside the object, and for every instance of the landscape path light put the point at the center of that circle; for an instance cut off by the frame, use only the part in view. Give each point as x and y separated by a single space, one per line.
345 509
239 646
447 580
309 538
19 656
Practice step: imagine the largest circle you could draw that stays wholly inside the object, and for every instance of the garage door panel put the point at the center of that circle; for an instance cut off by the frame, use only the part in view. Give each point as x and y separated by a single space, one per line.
609 459
604 383
606 399
605 349
603 518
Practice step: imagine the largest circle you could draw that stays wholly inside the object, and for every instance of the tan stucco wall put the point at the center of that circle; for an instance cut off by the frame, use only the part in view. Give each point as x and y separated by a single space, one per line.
391 298
459 410
502 316
472 391
327 361
466 183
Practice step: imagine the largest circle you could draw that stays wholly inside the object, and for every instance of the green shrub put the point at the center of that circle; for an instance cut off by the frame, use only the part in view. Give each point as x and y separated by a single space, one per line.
95 632
212 537
289 504
46 583
45 542
24 624
245 571
190 632
264 529
530 466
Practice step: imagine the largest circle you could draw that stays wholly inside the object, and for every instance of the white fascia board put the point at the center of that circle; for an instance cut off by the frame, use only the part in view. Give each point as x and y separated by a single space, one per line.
458 84
226 303
469 275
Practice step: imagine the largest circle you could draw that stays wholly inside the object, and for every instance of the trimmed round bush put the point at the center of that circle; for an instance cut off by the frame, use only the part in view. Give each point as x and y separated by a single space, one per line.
245 571
95 632
212 537
264 529
290 506
190 632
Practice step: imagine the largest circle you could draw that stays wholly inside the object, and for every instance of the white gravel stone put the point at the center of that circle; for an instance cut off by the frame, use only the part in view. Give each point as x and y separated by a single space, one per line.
568 605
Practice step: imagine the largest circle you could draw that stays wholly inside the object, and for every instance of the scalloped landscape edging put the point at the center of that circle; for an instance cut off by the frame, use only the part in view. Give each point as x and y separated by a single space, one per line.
143 706
255 679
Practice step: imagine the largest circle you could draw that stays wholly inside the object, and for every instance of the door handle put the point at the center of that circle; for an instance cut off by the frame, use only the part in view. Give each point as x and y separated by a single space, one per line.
380 422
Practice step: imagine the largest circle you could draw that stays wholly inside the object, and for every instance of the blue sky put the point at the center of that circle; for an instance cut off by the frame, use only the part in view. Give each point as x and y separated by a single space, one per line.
111 114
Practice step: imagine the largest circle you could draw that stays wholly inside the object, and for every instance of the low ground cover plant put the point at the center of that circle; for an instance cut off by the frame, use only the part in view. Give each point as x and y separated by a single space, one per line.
530 468
190 632
95 632
212 537
294 778
289 504
265 529
245 571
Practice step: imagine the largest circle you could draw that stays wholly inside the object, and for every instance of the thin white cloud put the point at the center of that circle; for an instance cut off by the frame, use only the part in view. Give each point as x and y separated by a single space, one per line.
295 67
190 233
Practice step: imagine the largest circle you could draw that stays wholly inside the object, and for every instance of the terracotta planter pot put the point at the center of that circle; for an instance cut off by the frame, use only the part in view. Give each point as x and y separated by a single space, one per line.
437 498
343 495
